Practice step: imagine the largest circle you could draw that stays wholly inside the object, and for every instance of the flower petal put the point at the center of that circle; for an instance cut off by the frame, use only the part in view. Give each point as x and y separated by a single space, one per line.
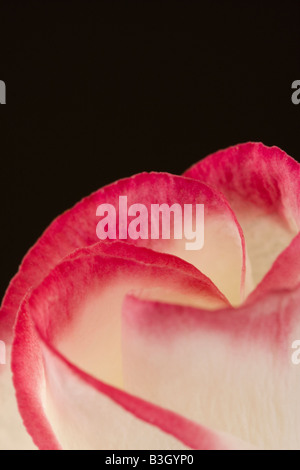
78 305
285 272
13 434
78 309
76 228
229 369
63 407
262 185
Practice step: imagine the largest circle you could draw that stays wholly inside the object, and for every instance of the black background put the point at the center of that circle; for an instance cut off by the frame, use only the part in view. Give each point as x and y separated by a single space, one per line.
101 90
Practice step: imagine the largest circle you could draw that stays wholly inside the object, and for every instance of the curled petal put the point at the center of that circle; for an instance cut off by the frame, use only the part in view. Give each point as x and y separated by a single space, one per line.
262 185
229 369
222 257
78 305
64 408
63 405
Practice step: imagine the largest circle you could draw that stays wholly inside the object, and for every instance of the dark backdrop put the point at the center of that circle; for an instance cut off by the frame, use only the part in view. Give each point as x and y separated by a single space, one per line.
101 90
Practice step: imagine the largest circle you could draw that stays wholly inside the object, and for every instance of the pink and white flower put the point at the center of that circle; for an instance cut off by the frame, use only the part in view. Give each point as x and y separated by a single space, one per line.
142 344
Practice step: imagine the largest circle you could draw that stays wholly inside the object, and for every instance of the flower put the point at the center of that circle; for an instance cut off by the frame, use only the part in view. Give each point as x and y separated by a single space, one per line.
142 344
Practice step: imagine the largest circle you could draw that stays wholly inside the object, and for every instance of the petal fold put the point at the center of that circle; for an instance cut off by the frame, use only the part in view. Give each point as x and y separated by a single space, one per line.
222 258
229 369
63 407
262 185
